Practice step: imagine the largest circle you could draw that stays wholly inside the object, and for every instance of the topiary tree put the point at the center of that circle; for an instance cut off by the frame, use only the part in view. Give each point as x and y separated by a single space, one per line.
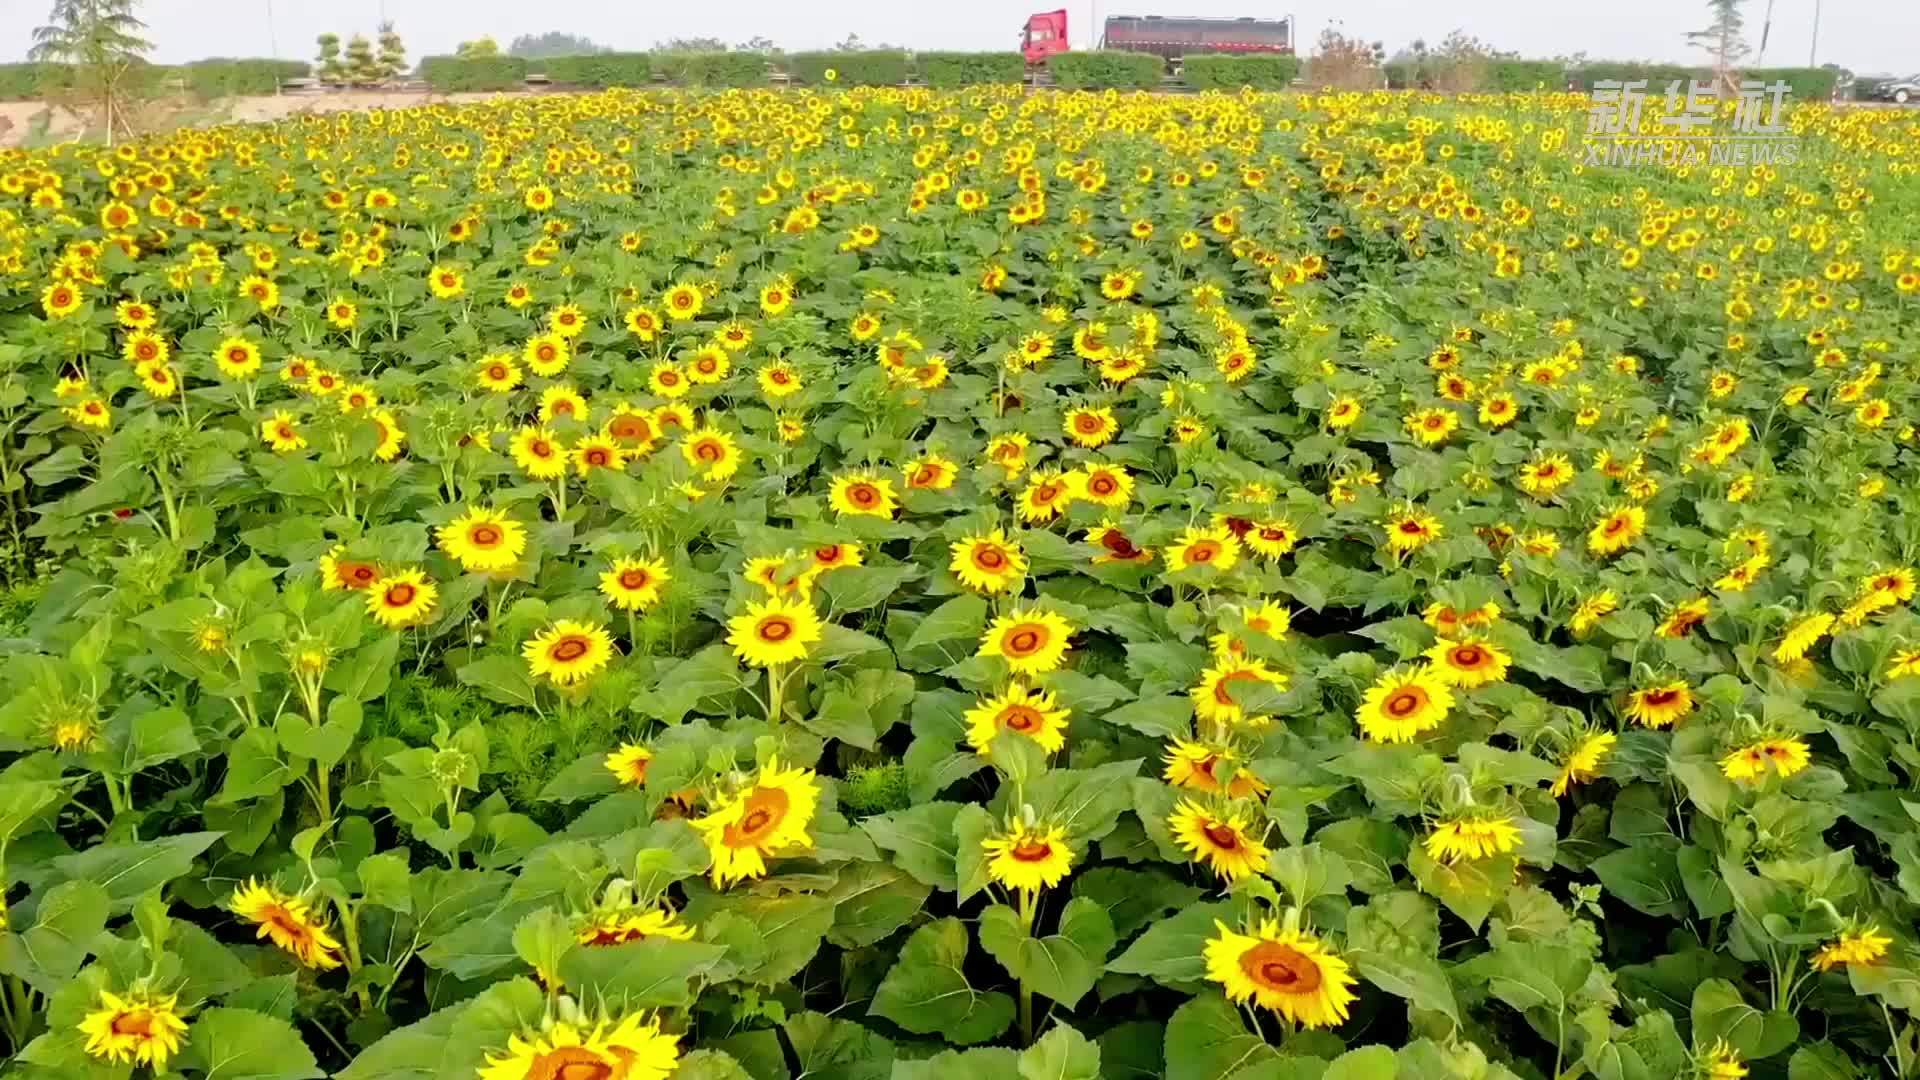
363 68
393 54
332 70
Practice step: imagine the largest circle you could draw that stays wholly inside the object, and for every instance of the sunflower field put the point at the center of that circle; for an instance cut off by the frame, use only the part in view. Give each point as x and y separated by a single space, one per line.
892 583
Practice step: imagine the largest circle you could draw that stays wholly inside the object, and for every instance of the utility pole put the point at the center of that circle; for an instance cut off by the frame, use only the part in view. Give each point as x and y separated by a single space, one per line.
1814 49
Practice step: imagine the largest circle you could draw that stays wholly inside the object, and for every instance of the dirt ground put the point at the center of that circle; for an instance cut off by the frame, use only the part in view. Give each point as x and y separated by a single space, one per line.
18 118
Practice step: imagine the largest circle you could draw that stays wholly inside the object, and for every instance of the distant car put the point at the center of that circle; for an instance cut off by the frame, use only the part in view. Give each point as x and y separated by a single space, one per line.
1901 90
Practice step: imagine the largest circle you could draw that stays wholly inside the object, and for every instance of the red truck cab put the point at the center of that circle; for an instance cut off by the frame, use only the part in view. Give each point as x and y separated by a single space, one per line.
1044 35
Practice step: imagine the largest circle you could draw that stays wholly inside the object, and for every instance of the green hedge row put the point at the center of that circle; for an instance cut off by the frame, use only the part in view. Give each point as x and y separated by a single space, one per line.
1509 75
1220 72
600 70
21 82
713 68
870 67
221 78
949 69
448 74
1105 68
27 82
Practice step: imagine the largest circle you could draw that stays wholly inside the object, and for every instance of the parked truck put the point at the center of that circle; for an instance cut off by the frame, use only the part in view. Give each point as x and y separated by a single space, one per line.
1168 37
1173 37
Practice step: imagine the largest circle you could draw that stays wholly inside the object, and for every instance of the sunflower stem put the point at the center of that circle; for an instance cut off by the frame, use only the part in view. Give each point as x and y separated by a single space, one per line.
776 689
1029 905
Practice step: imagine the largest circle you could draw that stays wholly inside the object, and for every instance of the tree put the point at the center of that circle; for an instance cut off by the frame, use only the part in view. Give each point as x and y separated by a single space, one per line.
362 68
102 40
1724 41
552 43
759 44
1346 63
485 46
393 54
333 70
686 45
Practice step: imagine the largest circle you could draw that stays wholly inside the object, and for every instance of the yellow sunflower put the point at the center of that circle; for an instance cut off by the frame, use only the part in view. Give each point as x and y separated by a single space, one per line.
1617 531
1660 706
1028 858
634 1048
1785 756
1090 426
138 1028
1198 767
402 599
1467 664
628 764
988 563
568 651
634 584
1583 761
1404 704
863 493
539 453
1215 547
712 452
280 432
1103 485
767 816
1031 642
288 922
775 632
483 541
1802 636
1475 836
1045 497
597 452
1213 698
237 358
1411 529
1032 713
1862 944
1279 967
339 573
1221 842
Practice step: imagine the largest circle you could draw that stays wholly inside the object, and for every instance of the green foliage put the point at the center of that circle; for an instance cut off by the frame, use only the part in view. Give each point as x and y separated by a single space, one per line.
712 68
1804 84
598 70
1105 68
877 789
1504 74
1209 71
552 43
210 79
25 82
449 75
866 67
950 69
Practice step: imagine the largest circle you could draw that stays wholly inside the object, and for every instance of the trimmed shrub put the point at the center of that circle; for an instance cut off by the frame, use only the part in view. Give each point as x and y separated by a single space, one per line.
220 78
474 74
1657 76
1804 84
1503 75
949 69
713 68
1104 68
599 70
21 82
1209 71
872 67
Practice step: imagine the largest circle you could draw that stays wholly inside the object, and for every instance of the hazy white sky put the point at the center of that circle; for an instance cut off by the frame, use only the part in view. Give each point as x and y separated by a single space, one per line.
1865 35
